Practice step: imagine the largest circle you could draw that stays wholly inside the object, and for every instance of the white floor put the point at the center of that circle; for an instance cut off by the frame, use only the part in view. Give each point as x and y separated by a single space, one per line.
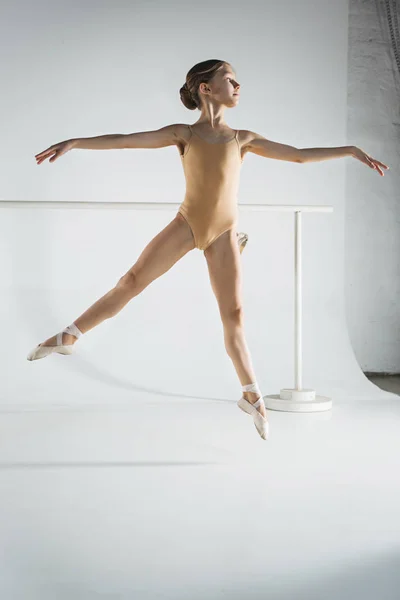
176 498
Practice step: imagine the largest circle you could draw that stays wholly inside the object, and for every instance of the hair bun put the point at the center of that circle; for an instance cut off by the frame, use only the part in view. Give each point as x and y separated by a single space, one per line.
187 97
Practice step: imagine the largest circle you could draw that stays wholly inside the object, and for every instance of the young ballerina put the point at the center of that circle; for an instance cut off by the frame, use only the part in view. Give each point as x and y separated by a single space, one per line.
212 154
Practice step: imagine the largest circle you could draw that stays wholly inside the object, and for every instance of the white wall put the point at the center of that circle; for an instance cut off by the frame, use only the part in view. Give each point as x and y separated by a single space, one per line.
84 69
372 248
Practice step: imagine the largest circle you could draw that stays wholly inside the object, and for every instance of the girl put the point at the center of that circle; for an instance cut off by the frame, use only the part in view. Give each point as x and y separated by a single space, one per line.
211 154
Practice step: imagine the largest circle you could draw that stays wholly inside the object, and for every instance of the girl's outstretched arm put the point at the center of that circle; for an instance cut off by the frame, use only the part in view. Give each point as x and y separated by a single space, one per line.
160 138
253 142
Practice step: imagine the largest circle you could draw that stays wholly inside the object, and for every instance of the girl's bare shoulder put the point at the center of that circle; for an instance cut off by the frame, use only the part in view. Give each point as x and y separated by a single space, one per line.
182 132
245 137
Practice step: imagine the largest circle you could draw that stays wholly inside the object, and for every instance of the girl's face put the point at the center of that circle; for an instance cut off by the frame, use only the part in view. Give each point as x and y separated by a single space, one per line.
224 87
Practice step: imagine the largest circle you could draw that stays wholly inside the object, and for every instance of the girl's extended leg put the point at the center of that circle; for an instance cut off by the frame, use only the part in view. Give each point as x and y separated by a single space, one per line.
171 244
224 267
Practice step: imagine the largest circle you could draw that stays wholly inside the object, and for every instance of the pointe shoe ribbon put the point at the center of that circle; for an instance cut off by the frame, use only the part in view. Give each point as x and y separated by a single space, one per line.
43 351
260 422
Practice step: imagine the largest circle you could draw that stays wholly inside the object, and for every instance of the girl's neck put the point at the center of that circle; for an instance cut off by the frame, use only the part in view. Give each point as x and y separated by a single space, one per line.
212 115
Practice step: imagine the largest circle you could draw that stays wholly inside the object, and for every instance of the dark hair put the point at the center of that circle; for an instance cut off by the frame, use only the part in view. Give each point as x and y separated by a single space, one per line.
200 73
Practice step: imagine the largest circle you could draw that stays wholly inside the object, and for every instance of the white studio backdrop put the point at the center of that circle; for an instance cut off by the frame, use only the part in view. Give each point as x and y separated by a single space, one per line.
91 68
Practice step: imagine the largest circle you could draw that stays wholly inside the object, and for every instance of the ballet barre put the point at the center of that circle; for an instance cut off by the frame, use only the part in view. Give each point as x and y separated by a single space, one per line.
294 399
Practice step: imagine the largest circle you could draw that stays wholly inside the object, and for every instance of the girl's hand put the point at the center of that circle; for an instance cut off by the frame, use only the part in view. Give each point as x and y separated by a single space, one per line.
55 151
368 160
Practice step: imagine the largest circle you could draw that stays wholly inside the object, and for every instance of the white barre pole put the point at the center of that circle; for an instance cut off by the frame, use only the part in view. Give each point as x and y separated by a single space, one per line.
298 349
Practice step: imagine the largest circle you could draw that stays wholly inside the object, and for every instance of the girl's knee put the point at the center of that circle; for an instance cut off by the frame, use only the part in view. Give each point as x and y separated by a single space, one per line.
233 315
130 279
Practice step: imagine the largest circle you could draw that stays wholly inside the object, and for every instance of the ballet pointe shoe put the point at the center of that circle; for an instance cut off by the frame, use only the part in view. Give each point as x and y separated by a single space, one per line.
260 422
43 351
242 239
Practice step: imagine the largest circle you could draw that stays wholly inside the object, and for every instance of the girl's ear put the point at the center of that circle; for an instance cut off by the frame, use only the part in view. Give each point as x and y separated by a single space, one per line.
204 88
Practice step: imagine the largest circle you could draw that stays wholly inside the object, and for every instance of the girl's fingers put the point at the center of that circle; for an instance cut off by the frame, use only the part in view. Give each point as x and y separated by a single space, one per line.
373 164
49 150
43 156
378 162
381 164
369 162
377 168
40 158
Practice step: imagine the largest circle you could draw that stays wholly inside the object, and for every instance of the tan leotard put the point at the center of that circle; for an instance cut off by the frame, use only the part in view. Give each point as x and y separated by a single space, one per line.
212 173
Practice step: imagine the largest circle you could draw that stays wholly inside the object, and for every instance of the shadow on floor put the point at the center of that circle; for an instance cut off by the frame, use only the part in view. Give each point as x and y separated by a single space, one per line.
388 383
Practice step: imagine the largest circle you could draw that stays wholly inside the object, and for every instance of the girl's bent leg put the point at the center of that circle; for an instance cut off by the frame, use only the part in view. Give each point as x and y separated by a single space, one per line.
170 245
